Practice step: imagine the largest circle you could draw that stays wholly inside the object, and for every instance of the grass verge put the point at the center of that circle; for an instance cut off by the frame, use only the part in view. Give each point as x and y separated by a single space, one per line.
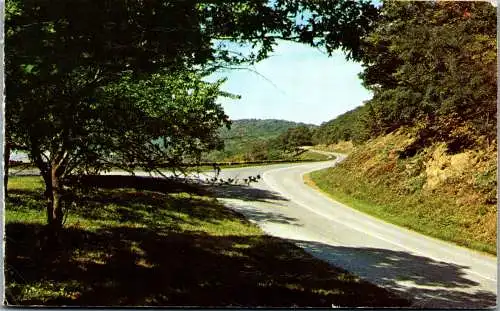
145 248
315 156
340 147
376 181
401 212
305 157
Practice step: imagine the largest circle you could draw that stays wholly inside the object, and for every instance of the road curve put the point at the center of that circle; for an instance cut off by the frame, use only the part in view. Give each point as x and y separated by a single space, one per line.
432 273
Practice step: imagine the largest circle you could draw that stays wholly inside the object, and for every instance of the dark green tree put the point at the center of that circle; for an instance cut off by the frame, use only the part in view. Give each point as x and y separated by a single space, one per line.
296 137
433 64
351 125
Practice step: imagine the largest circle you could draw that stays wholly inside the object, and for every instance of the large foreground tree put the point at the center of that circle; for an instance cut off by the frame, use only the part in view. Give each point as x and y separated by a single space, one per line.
92 82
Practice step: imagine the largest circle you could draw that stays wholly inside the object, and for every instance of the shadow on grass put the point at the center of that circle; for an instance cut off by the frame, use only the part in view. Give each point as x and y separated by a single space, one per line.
430 283
156 184
140 266
150 209
24 200
163 264
144 200
119 202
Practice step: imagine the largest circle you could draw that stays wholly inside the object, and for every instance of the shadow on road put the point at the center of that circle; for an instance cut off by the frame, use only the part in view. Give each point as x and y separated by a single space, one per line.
246 195
430 283
273 217
244 192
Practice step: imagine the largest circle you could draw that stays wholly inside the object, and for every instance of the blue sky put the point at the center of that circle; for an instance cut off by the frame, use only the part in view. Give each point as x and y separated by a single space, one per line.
298 83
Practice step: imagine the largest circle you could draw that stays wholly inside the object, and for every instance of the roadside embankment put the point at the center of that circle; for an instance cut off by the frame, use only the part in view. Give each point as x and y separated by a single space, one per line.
447 196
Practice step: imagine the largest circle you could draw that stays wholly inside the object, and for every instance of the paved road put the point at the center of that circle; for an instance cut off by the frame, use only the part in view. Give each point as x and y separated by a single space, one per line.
434 274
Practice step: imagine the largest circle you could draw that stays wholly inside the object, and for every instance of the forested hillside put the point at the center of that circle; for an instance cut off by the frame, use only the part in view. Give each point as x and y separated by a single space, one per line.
350 125
256 139
426 147
438 76
258 128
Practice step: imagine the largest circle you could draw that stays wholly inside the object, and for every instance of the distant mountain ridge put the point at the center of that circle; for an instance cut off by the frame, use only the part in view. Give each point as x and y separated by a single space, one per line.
245 134
259 128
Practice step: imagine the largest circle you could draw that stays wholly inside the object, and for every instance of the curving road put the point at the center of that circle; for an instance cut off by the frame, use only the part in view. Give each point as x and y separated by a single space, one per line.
432 273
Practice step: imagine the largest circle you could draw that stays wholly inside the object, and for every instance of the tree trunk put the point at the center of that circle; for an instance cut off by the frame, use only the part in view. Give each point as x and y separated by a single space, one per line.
6 168
52 173
53 193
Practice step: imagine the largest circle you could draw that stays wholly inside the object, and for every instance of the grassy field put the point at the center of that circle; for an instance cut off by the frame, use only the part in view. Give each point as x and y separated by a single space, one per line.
450 197
139 247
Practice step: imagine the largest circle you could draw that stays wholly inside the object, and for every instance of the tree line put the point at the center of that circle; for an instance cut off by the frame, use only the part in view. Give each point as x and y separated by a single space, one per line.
430 66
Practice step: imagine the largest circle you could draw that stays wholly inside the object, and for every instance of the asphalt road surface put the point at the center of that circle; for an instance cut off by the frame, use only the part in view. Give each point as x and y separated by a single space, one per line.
432 273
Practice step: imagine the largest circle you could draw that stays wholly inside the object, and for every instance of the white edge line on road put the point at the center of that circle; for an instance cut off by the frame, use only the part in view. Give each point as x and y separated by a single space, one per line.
264 177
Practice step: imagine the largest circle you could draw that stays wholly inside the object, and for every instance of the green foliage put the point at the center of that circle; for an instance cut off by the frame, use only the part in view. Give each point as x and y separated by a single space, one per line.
438 76
347 126
58 57
258 151
169 119
253 139
61 58
256 128
295 137
486 183
441 73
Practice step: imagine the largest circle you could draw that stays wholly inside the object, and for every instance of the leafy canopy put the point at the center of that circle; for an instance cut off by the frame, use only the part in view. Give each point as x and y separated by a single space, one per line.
92 82
431 66
60 54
